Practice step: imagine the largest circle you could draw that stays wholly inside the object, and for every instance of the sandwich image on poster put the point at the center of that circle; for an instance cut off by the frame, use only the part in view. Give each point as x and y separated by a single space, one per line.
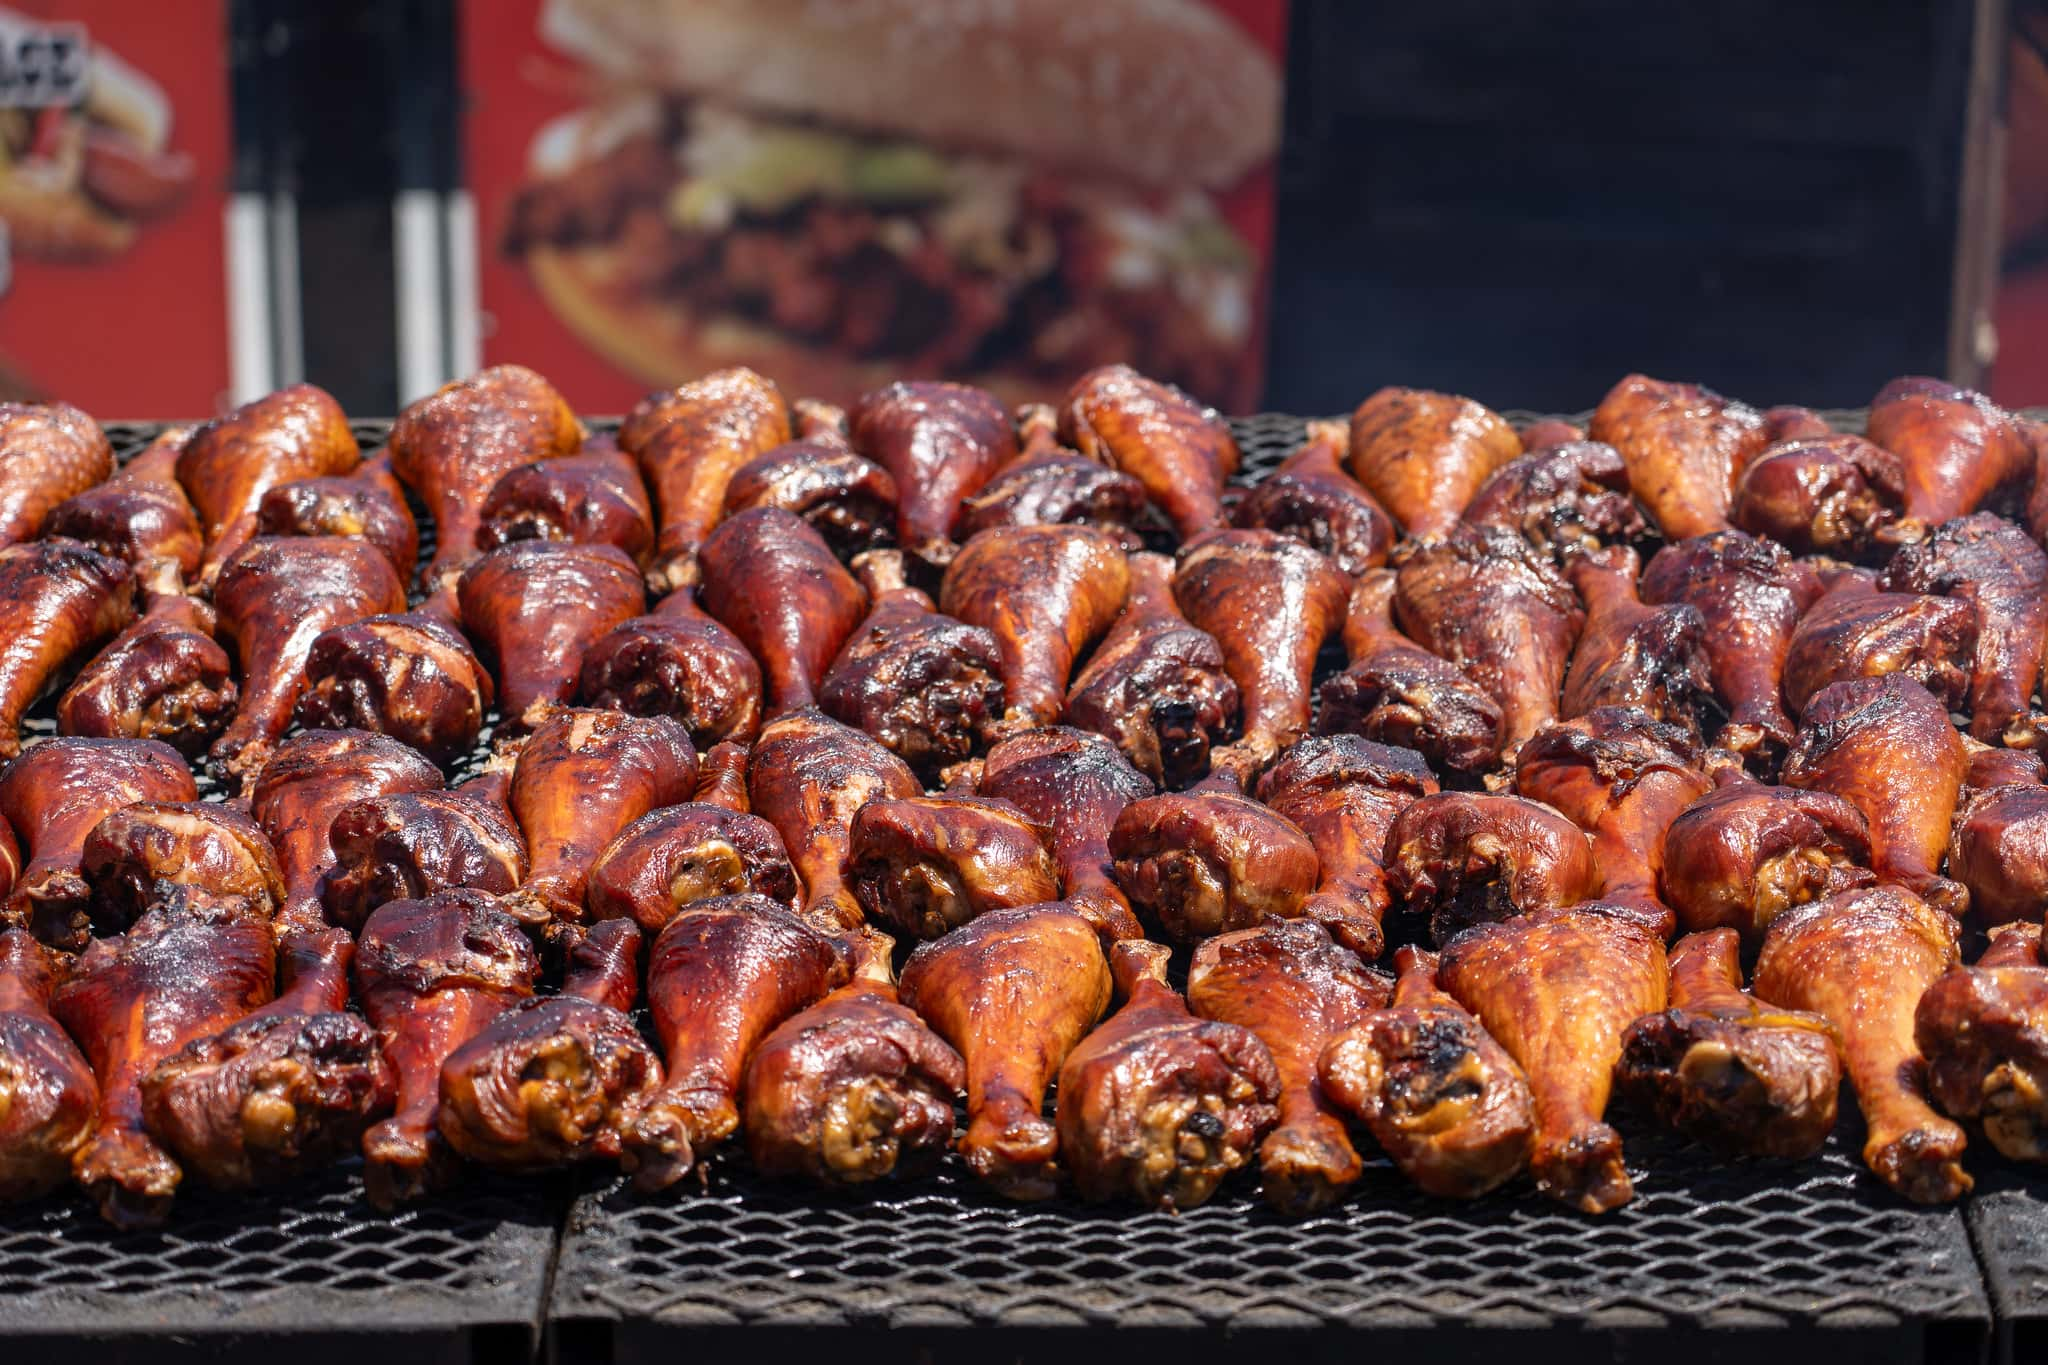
837 194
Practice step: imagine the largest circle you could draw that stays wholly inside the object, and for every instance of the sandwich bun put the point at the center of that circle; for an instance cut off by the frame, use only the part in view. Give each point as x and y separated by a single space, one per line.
1160 92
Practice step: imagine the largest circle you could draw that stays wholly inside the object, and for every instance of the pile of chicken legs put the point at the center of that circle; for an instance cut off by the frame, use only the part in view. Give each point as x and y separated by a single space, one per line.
851 767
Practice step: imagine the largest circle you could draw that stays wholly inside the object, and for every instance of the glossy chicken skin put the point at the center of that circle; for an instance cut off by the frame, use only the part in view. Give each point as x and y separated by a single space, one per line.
1053 486
1684 445
230 463
135 854
582 777
47 453
1156 686
1294 988
187 969
52 796
1014 991
1557 989
670 859
1835 494
1465 858
1312 498
1998 850
1566 497
1981 1030
535 606
775 584
1991 767
1885 745
430 975
49 1099
722 777
722 975
926 864
1179 450
1856 631
1745 853
413 677
1156 1106
560 1080
1623 778
1045 593
677 661
1198 864
1344 792
1396 692
1490 603
940 443
1270 603
366 505
1992 565
690 441
1424 454
1752 595
140 514
58 599
308 782
1074 784
850 501
929 687
276 598
1726 1069
1958 448
1651 658
808 776
1863 959
1442 1099
290 1086
164 677
591 498
453 446
854 1088
408 845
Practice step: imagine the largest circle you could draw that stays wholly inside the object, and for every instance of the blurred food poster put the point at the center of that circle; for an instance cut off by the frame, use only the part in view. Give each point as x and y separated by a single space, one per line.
114 163
836 192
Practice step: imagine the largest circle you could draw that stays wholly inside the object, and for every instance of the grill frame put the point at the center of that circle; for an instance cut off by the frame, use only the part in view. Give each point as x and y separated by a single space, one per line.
1814 1256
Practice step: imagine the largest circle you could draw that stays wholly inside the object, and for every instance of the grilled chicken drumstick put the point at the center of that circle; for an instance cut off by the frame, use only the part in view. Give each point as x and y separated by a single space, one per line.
1424 455
807 777
677 661
774 583
1465 858
927 864
1745 853
1198 864
690 441
670 859
1074 784
58 600
1312 498
407 845
535 607
1180 451
591 498
49 1099
230 463
940 443
48 452
139 515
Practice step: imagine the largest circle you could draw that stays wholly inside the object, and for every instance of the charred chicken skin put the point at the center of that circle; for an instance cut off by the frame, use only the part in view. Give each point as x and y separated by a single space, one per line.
164 677
1396 692
139 515
135 854
1857 631
413 677
1632 654
1981 1030
1074 784
1833 494
49 1099
591 498
1684 447
535 607
927 864
670 859
1312 498
408 845
1198 864
368 504
1564 498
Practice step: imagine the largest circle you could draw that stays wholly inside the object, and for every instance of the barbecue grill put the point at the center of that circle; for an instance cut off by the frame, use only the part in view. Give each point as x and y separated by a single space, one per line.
1777 1261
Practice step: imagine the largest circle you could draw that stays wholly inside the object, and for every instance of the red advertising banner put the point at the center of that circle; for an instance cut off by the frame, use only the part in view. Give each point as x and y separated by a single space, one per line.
115 146
837 193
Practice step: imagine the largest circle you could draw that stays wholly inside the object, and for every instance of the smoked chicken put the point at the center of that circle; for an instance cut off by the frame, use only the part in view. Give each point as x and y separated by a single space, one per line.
940 443
1863 959
1344 792
591 498
1834 494
1443 1100
165 677
1198 864
690 441
48 452
1998 850
1045 593
1981 1029
535 606
135 854
848 500
1727 1070
1312 498
412 676
1179 450
670 859
856 1087
808 777
49 1099
1395 692
1156 686
140 515
1424 454
1465 858
407 845
721 976
430 975
1076 785
1563 498
1270 603
679 662
58 600
1557 989
1630 654
1857 631
1886 747
1053 486
1957 449
368 504
928 687
926 864
453 446
1014 991
774 583
1745 853
1489 602
1684 445
230 463
1294 988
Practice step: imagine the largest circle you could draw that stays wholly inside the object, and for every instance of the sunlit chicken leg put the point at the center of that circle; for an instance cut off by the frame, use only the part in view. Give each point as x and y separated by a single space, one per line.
49 1099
